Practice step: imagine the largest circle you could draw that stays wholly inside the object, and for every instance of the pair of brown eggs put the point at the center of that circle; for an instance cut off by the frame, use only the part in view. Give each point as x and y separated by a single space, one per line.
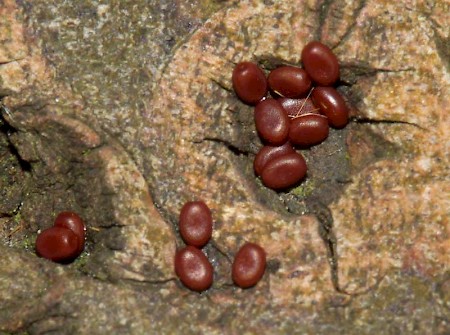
64 241
291 117
193 267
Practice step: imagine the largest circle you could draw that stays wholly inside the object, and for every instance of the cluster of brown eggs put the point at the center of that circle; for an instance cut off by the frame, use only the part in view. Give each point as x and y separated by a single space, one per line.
301 107
64 241
192 266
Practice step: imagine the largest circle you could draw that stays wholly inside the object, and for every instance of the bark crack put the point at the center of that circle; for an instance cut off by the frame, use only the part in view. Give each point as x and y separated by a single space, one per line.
442 45
12 61
148 281
361 69
222 85
323 13
234 149
326 232
365 120
351 27
325 219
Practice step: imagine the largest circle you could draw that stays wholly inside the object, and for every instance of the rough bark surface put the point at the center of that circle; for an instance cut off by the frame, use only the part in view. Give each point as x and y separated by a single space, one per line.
123 111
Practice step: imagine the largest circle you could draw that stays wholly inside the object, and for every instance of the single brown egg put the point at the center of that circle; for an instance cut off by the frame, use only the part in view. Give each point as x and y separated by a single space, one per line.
272 122
284 172
320 63
249 82
308 130
332 105
195 223
289 82
194 269
249 265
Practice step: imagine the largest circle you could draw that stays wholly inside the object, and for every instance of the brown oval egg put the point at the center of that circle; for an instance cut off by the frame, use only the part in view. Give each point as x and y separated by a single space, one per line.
249 82
194 269
272 122
195 223
267 153
289 81
308 129
332 105
296 107
57 244
73 222
320 63
285 171
249 265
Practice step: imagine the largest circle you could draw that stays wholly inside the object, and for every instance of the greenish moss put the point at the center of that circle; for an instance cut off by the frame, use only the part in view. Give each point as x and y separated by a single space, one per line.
305 189
17 218
87 152
81 261
28 242
392 152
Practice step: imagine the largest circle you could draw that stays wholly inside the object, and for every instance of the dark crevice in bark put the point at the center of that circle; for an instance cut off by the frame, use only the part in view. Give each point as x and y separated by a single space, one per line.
220 251
323 14
351 72
362 120
339 181
235 150
326 232
11 61
110 226
325 218
5 110
24 165
349 30
222 85
269 62
12 214
147 281
8 129
442 46
15 171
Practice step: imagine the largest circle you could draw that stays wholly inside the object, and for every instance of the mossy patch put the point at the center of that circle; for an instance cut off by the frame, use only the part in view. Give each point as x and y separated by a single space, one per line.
305 189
